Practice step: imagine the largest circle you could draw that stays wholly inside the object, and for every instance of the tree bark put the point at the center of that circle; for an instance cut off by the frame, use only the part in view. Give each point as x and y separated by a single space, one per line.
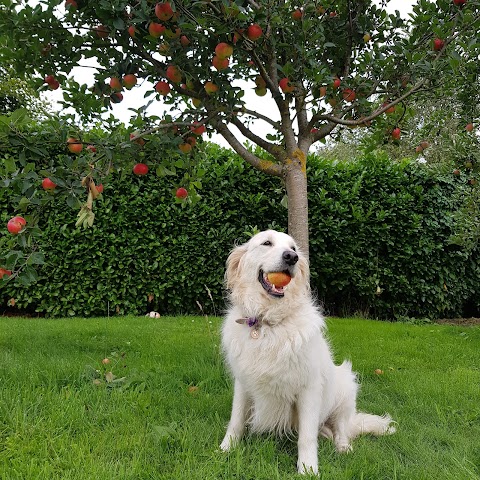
296 185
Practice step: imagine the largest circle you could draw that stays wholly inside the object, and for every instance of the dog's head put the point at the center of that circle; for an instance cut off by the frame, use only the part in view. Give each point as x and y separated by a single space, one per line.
268 257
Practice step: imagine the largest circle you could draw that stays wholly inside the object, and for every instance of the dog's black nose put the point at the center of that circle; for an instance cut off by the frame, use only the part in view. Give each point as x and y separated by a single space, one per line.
290 257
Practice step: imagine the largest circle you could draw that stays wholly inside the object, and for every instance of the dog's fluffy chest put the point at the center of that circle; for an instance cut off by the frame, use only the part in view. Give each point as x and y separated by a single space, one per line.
278 362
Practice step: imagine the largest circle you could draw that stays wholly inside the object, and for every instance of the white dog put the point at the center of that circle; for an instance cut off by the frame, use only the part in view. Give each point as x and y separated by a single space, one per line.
273 339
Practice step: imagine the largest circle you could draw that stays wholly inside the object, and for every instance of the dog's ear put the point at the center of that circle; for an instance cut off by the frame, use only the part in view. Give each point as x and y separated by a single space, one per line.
233 265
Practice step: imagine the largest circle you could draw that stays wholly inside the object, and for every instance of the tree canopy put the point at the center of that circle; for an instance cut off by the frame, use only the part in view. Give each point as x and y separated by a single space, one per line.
326 65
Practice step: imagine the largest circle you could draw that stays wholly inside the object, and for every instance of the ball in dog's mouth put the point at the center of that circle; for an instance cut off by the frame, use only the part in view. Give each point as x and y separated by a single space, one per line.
274 283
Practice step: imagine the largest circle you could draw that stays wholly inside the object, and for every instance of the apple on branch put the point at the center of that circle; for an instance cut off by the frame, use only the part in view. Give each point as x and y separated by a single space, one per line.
174 74
254 32
16 224
140 169
74 145
181 193
164 11
129 81
47 184
162 87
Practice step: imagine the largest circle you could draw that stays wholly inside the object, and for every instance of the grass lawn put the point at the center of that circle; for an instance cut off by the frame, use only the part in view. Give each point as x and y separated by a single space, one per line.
163 411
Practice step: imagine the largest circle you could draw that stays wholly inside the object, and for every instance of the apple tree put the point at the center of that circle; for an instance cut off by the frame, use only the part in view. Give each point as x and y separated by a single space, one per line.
324 65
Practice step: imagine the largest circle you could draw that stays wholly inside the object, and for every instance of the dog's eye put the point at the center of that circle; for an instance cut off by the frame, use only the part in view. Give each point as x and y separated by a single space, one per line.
267 243
294 249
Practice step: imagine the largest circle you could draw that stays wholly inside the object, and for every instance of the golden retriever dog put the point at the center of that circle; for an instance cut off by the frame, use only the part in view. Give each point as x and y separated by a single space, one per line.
274 344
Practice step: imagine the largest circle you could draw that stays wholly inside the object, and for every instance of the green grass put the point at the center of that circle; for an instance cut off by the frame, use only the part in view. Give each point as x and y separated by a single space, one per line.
56 423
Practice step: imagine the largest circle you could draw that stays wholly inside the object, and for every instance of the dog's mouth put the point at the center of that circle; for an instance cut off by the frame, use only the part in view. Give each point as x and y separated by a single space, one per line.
271 288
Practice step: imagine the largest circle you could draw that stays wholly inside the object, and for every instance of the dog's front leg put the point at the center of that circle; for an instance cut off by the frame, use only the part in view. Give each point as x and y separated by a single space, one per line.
238 418
309 413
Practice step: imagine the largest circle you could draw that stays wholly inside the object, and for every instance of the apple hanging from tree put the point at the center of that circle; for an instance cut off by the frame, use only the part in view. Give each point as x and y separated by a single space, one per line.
469 127
438 44
396 133
162 87
156 29
174 74
254 32
74 145
129 81
286 86
115 84
16 224
140 169
181 193
4 272
223 50
47 184
101 31
164 11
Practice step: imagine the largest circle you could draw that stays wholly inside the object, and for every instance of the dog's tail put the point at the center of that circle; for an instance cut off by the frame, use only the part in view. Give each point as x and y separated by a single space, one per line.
364 423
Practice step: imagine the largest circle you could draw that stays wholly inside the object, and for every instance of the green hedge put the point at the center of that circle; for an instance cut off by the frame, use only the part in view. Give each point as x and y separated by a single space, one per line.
379 243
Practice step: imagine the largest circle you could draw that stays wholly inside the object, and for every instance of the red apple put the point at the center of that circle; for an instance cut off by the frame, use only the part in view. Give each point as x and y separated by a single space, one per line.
459 3
4 272
49 79
456 171
100 188
336 83
156 29
54 85
297 14
254 32
116 97
129 81
74 145
184 41
71 4
323 91
15 225
286 86
174 74
349 95
181 193
210 88
140 169
192 141
115 84
163 11
396 133
91 148
198 129
132 31
469 127
220 63
162 87
101 31
47 184
223 50
438 44
185 147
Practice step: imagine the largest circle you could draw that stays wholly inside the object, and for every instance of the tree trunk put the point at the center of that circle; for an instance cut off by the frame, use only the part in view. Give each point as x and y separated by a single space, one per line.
296 185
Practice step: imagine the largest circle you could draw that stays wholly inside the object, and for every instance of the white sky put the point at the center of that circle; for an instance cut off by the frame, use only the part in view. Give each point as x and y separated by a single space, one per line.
135 97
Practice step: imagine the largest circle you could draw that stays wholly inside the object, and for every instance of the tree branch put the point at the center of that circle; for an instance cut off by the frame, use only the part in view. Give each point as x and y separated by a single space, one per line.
265 166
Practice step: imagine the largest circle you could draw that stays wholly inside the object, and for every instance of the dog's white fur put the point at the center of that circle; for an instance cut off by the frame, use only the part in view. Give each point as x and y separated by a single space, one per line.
286 380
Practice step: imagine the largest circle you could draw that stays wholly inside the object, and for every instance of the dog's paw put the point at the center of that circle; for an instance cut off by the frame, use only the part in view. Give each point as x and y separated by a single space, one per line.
305 469
344 447
227 443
